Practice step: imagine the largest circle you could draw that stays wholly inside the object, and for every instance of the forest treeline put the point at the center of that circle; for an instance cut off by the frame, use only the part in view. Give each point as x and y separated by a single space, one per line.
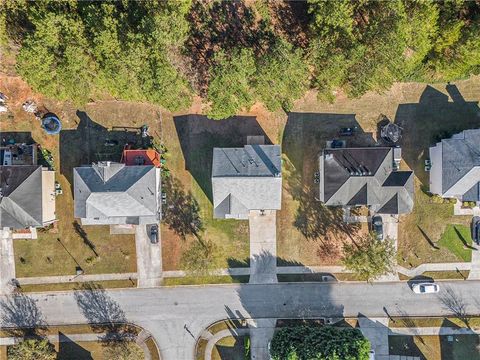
234 53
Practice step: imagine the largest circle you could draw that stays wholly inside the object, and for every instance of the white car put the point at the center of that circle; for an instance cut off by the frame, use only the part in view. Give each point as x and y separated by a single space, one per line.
425 288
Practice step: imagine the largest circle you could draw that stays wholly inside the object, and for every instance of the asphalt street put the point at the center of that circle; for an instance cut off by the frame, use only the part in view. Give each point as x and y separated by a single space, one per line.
176 316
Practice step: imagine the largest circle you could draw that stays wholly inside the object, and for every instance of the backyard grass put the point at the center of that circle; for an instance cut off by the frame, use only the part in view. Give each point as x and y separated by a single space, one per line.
436 347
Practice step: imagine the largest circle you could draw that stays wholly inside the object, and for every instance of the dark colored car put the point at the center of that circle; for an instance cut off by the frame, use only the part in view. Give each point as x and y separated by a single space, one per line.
110 142
377 227
154 234
476 229
336 144
347 131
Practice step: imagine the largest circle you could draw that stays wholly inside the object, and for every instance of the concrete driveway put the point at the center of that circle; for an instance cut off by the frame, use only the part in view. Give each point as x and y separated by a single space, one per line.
263 247
390 228
149 258
7 260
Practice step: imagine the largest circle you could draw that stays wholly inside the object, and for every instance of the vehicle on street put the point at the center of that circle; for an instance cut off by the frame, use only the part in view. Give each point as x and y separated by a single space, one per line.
377 227
154 234
371 355
425 288
476 229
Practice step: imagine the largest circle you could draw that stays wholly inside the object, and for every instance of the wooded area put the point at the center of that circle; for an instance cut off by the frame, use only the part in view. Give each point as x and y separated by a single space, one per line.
235 53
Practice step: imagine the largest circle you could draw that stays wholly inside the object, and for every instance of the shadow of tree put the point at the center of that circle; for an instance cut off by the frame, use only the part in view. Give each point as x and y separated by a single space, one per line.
20 316
452 301
83 235
291 19
182 214
103 313
222 25
426 237
462 239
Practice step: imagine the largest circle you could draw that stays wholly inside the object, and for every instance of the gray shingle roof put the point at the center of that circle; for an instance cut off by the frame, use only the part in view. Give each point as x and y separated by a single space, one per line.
21 196
365 176
461 155
245 179
115 193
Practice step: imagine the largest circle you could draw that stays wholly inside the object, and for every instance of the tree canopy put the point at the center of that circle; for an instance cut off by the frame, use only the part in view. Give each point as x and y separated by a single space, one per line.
233 54
326 343
369 258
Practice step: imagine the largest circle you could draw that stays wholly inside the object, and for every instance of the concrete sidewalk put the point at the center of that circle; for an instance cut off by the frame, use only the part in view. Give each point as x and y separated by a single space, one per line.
261 332
475 262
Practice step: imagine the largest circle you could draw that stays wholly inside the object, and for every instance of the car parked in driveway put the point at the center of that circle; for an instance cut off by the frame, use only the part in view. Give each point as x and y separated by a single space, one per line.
476 229
377 227
425 288
153 234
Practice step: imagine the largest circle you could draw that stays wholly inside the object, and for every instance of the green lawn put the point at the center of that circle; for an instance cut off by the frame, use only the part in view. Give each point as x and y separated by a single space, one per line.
458 240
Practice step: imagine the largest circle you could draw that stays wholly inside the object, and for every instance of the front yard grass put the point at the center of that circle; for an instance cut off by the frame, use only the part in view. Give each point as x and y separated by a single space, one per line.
458 240
110 284
200 280
424 235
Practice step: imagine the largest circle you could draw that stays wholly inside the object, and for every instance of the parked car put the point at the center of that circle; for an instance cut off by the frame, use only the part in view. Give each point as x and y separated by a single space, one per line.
425 288
377 227
346 131
371 355
154 234
476 229
110 142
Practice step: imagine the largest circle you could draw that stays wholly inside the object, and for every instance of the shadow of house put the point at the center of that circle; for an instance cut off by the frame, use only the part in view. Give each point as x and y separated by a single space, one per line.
199 135
91 142
459 346
70 350
433 118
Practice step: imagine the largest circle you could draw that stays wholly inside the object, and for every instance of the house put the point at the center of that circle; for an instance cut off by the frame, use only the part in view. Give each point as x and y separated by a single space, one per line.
455 166
367 176
109 193
27 190
245 179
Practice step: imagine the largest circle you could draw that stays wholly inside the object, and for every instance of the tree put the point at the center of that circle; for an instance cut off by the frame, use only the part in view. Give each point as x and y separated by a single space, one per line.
282 76
229 89
313 342
369 258
123 350
75 50
33 349
201 257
